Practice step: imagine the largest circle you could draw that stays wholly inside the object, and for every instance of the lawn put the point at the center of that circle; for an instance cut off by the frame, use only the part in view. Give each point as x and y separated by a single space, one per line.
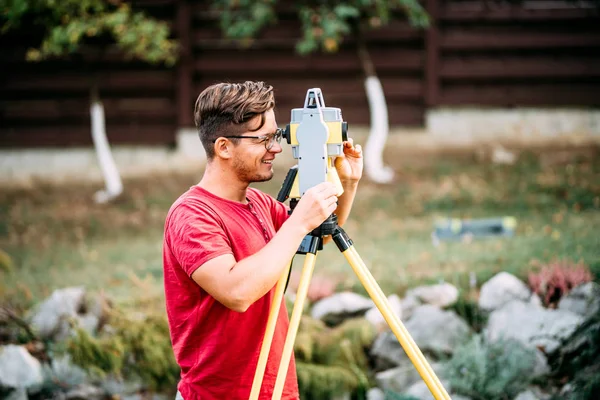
57 237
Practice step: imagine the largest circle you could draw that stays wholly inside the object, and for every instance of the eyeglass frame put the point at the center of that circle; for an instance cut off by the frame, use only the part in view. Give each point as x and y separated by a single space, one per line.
277 136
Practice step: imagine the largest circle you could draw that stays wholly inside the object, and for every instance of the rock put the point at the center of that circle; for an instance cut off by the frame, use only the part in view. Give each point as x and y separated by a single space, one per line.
18 369
375 394
502 289
409 304
532 326
18 394
583 300
437 330
441 295
66 373
85 392
375 317
526 395
540 366
61 305
420 390
344 303
401 378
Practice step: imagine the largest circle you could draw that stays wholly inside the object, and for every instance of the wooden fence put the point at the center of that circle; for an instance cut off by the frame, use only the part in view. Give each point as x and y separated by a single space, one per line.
481 53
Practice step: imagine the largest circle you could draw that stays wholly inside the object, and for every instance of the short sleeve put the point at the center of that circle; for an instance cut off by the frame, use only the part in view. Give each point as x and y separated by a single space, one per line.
195 235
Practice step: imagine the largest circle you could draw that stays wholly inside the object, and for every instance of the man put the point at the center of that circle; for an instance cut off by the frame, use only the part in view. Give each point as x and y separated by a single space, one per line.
226 245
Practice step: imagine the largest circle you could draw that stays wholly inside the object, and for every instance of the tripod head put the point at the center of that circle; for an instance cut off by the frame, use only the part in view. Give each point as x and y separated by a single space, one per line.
316 133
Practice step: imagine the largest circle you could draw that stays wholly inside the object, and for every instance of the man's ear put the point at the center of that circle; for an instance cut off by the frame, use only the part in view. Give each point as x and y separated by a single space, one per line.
223 148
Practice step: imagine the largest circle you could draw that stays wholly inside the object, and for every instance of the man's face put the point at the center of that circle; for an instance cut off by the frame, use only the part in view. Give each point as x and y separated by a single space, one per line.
252 161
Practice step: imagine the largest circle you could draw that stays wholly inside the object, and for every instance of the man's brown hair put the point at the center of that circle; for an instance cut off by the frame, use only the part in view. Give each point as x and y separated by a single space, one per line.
225 109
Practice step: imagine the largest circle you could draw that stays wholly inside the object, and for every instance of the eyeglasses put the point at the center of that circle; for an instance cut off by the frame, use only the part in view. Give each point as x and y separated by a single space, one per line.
269 140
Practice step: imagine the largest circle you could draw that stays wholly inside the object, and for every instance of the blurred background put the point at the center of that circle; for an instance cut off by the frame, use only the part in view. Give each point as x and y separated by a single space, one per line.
481 127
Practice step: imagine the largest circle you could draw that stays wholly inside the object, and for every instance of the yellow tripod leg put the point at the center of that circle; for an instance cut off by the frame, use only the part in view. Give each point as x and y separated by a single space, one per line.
307 270
403 336
269 332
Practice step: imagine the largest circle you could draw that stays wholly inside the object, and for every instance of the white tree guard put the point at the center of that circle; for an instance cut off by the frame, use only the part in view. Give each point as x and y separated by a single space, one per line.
375 145
112 179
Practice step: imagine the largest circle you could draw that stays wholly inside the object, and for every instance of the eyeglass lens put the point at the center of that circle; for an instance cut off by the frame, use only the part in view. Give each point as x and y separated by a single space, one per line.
271 141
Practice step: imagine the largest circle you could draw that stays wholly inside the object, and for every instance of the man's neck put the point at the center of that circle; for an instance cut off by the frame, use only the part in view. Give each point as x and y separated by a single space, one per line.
220 182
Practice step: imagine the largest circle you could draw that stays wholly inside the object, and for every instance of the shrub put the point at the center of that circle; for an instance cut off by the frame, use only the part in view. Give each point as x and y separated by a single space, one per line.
331 361
578 361
485 370
556 279
135 347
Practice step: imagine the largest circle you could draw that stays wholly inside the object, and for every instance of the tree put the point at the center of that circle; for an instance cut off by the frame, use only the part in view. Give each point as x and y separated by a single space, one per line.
66 27
324 26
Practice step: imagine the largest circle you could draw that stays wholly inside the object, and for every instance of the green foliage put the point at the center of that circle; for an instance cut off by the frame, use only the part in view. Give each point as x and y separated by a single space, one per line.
578 361
469 311
138 347
67 24
390 395
490 371
324 25
332 361
6 264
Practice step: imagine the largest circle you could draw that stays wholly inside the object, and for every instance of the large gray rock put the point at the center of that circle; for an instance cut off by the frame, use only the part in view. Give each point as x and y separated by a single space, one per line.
441 295
18 368
431 328
344 303
50 316
375 317
583 300
502 289
401 378
420 390
532 326
526 395
437 330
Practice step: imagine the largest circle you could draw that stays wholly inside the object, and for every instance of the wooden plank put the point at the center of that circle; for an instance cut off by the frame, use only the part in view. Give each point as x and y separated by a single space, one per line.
358 114
478 10
80 135
226 62
46 110
287 35
185 67
295 89
108 80
475 39
478 68
432 55
565 94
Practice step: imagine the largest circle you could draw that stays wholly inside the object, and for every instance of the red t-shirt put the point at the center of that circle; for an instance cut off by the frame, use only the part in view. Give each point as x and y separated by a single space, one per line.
217 348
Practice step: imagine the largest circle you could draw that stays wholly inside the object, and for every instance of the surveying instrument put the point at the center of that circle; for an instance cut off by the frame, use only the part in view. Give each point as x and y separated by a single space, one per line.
316 134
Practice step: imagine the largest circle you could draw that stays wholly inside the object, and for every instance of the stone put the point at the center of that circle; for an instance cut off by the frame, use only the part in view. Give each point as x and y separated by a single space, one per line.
18 368
441 295
375 317
533 326
61 305
583 300
437 330
502 289
345 303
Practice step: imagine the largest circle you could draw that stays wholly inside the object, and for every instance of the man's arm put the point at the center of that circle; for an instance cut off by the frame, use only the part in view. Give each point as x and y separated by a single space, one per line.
237 285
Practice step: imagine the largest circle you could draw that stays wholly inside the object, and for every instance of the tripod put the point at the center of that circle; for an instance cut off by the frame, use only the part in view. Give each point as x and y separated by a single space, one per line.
311 244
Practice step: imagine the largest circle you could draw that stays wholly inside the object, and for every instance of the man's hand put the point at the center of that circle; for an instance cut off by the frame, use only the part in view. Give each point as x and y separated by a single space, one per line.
349 165
315 206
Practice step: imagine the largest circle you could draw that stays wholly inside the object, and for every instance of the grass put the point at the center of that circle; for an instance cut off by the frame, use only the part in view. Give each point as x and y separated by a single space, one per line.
57 237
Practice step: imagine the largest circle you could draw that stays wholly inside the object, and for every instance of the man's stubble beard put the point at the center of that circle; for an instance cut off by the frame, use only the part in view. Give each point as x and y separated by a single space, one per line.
249 174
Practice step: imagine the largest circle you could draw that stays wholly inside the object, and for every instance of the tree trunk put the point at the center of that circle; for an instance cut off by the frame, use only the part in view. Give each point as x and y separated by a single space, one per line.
112 179
375 145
